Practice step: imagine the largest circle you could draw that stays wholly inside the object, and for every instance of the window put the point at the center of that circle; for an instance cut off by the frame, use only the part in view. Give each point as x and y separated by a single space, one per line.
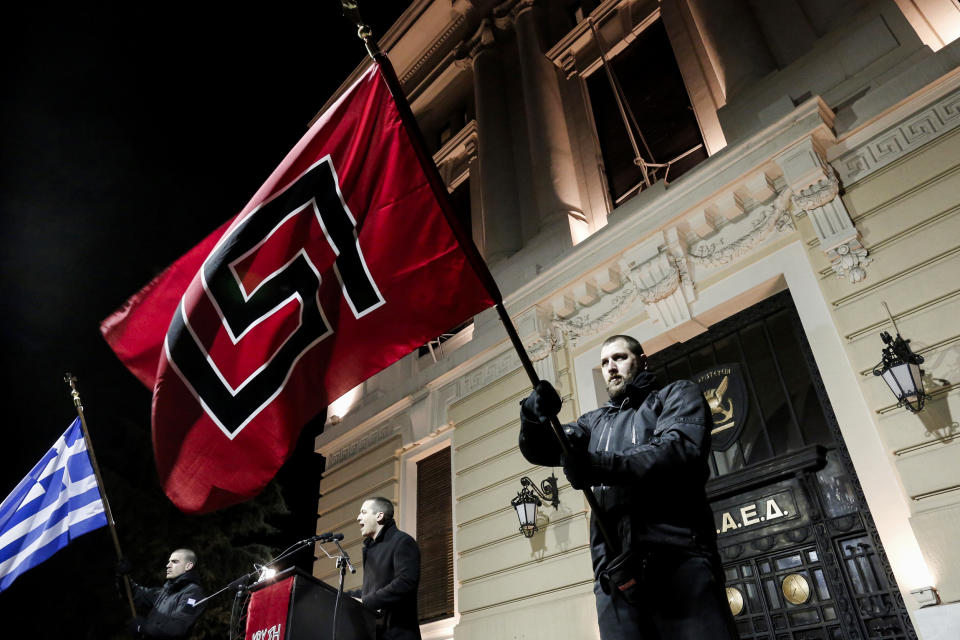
435 536
656 103
435 348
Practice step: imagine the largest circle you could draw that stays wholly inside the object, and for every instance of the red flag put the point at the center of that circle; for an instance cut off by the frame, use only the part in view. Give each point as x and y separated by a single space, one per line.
341 264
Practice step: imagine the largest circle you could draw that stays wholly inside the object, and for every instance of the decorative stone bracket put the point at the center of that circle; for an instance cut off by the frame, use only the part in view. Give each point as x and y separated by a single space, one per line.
815 188
662 280
538 333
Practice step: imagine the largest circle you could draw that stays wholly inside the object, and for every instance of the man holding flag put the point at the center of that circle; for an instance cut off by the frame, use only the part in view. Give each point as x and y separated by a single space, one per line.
171 609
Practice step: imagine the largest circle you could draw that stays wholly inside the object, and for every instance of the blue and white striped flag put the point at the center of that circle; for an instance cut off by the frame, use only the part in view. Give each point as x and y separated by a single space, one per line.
57 501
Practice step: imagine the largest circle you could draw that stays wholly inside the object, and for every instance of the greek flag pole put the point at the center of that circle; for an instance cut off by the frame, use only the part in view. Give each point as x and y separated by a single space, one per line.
75 396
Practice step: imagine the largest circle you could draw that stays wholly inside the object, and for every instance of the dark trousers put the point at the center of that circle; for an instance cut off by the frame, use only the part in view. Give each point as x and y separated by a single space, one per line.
682 598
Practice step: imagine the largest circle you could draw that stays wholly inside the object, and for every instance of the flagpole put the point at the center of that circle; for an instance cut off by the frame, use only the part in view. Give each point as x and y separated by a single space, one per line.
75 396
351 11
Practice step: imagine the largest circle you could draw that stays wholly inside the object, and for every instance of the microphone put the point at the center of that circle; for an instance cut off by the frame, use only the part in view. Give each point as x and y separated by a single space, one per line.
327 537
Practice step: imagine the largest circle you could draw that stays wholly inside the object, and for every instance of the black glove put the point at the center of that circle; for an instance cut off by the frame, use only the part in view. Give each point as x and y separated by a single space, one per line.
124 567
135 625
543 403
579 468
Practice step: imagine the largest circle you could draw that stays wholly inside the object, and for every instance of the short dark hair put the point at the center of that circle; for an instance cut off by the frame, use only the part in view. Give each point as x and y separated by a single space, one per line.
382 504
189 555
632 344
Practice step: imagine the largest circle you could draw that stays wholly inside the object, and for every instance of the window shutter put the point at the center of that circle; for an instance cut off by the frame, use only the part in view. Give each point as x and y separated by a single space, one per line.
435 537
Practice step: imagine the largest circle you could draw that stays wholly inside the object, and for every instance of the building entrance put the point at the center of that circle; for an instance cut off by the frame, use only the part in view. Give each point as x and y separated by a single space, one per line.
801 553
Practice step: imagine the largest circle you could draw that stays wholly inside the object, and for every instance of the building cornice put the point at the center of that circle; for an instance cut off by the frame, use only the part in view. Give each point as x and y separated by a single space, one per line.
905 127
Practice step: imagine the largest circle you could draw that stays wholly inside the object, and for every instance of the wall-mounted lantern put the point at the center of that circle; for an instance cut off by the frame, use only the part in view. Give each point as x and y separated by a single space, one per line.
529 498
900 369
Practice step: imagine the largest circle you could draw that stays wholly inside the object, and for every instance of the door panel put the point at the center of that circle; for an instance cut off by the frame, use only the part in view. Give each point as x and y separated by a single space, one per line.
801 553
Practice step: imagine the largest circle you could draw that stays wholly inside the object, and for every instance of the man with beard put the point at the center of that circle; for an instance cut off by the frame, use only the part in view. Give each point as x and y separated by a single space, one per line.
644 455
172 607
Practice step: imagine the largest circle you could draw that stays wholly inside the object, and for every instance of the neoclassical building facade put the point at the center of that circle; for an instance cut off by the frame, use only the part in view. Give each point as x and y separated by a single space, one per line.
741 186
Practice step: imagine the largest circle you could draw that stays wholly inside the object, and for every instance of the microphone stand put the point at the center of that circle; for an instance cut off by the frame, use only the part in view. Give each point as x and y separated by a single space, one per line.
343 564
237 584
241 584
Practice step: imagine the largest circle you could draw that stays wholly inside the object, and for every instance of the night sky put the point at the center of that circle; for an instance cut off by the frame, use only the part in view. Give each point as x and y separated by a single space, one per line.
128 134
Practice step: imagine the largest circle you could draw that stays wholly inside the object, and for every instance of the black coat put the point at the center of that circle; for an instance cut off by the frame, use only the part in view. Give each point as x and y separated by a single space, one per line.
648 465
171 610
391 576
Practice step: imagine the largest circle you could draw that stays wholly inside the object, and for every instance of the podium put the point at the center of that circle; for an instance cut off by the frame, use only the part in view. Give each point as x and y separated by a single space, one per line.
295 606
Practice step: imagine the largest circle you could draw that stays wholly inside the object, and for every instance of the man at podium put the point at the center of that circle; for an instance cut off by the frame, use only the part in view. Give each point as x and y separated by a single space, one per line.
391 571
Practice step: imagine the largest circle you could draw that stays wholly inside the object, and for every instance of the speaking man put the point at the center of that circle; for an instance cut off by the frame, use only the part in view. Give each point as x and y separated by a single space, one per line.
391 571
172 609
644 455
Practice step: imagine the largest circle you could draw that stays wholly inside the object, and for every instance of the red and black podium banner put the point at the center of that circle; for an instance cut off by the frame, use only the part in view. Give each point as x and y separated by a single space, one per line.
267 613
295 606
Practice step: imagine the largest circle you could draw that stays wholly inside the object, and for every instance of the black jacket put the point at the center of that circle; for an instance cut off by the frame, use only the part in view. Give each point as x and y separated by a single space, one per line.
391 576
648 460
171 610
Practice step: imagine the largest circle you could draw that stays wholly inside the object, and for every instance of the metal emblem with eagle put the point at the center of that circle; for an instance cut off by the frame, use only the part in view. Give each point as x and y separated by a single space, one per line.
725 390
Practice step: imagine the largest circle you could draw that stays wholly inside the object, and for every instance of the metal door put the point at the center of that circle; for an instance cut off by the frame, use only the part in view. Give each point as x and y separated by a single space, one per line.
801 552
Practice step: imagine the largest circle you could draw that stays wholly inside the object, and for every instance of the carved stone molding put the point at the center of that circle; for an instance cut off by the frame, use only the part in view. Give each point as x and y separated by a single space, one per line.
589 321
568 65
488 373
482 40
900 139
360 445
739 219
735 240
652 276
662 288
506 12
435 45
663 283
538 332
442 399
817 195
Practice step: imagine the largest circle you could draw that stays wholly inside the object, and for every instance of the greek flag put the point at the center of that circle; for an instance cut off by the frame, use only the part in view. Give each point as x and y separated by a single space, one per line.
57 501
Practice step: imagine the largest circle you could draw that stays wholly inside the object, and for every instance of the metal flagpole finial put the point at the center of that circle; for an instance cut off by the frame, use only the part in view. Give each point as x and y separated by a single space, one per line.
352 11
71 380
